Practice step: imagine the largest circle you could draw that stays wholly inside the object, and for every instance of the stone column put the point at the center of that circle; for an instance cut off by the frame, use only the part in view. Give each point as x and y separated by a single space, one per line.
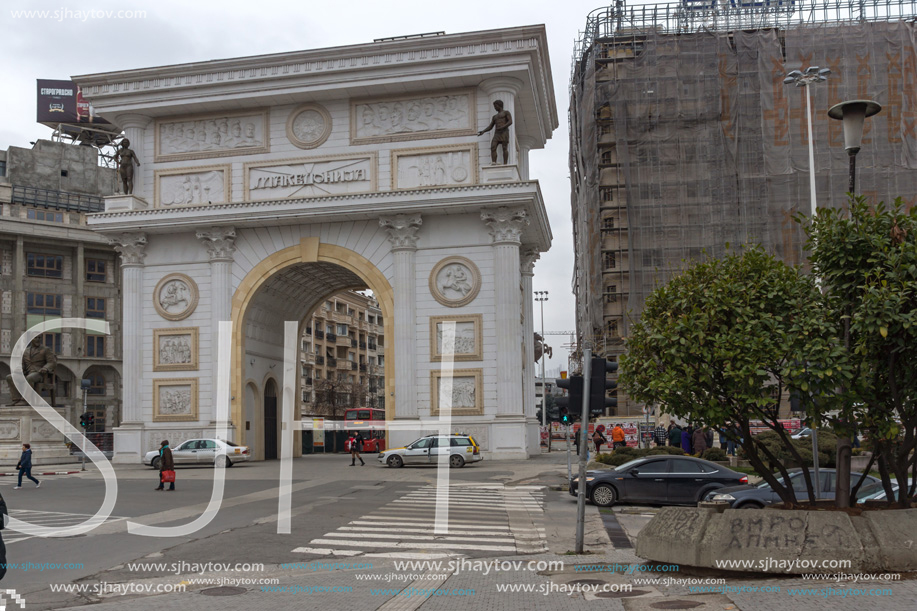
506 226
531 370
134 126
219 242
505 89
402 231
526 144
19 304
128 440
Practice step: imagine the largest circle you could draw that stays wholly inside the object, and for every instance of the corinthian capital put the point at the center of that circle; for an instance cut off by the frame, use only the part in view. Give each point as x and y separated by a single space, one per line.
402 230
219 242
527 259
131 246
505 223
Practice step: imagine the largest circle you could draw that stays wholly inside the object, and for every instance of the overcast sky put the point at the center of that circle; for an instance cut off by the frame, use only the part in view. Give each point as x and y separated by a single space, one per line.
59 46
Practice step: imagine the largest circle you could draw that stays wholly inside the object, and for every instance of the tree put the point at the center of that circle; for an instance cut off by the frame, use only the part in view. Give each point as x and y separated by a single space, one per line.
334 396
721 341
867 262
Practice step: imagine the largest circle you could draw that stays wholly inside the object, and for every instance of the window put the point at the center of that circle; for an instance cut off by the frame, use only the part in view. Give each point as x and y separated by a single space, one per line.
459 441
350 356
98 422
95 346
610 260
342 329
306 346
608 223
685 466
52 341
612 328
95 307
46 215
208 445
371 320
329 328
45 266
95 270
96 384
41 303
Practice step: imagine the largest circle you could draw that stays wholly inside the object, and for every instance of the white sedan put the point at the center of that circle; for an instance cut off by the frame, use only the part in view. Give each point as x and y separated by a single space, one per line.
202 451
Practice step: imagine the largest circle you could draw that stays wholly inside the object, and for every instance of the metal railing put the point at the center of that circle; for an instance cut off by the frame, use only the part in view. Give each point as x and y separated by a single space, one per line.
59 200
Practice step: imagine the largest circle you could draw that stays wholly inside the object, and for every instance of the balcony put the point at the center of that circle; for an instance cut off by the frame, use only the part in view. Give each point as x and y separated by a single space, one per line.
307 382
59 200
353 365
319 334
308 358
340 317
330 337
363 345
372 345
319 360
343 340
308 330
345 365
331 361
353 343
362 367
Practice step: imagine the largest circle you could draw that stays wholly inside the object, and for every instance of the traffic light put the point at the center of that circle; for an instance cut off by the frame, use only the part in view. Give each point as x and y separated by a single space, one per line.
570 406
86 420
599 385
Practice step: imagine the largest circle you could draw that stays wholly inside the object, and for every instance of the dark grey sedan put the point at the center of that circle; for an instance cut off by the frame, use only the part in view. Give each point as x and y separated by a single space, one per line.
756 497
658 480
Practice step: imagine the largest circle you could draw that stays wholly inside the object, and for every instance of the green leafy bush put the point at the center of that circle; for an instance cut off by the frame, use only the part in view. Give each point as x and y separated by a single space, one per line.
714 454
827 449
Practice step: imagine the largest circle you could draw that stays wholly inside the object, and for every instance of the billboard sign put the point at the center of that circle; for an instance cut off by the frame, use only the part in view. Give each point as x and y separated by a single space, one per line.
62 102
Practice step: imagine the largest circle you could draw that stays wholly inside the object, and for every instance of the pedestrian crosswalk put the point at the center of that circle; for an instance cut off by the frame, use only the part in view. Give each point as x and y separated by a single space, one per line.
45 518
483 519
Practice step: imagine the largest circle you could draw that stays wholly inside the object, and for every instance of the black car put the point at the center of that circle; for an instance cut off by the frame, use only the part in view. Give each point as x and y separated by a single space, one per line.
760 495
661 480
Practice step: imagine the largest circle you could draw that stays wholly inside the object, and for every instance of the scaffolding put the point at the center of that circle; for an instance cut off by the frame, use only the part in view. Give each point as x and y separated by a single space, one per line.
685 143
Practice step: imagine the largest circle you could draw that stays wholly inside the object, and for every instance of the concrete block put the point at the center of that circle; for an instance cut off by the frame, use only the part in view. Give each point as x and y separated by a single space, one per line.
676 535
895 534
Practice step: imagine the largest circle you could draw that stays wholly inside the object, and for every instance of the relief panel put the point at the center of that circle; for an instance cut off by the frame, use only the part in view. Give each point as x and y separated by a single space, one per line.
213 135
451 113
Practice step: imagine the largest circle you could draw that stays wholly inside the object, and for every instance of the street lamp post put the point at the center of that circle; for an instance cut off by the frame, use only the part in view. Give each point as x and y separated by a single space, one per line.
853 113
541 297
813 74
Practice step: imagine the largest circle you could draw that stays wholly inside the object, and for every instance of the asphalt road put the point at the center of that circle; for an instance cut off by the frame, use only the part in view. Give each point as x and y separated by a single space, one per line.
393 510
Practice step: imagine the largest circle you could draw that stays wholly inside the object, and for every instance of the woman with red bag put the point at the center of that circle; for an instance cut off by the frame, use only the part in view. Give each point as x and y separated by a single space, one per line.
166 467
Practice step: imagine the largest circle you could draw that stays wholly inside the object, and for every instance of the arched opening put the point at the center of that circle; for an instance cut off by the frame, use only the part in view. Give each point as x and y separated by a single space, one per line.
292 285
251 407
270 420
102 397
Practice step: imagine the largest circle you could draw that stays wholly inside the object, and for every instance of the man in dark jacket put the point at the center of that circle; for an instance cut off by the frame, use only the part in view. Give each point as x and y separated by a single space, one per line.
674 435
25 466
3 514
165 464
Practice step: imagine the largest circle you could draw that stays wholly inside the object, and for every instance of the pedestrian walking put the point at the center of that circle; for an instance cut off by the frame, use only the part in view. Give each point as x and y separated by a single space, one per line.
674 435
356 444
166 466
25 466
598 439
723 440
686 441
708 436
661 435
700 441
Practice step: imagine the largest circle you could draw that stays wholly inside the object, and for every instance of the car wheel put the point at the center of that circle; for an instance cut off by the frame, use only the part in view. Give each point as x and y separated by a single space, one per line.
222 461
456 461
750 506
703 494
156 462
603 495
395 461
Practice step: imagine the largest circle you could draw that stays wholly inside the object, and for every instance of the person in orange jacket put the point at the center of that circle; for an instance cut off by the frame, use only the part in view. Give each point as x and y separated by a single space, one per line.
617 437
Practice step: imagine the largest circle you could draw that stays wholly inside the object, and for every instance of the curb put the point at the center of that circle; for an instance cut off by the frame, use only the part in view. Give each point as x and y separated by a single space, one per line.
15 473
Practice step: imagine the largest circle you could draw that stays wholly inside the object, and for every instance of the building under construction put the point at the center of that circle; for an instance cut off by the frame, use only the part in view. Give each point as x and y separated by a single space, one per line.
685 141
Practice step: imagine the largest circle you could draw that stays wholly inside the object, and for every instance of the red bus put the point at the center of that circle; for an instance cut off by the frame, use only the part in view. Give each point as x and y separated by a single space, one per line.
368 422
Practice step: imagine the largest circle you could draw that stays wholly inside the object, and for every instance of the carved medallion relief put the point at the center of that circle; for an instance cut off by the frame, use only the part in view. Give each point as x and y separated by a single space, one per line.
309 126
433 168
455 281
175 297
174 400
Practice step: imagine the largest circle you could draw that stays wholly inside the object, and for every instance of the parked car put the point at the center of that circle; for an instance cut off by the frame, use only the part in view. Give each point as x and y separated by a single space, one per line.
662 480
803 433
426 450
203 451
875 491
760 495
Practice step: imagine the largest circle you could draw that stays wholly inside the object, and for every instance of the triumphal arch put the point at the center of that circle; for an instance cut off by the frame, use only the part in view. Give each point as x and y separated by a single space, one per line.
267 183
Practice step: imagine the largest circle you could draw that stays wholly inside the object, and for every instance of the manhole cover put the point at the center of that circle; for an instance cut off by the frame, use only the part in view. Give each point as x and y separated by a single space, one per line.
675 604
223 591
587 582
621 594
